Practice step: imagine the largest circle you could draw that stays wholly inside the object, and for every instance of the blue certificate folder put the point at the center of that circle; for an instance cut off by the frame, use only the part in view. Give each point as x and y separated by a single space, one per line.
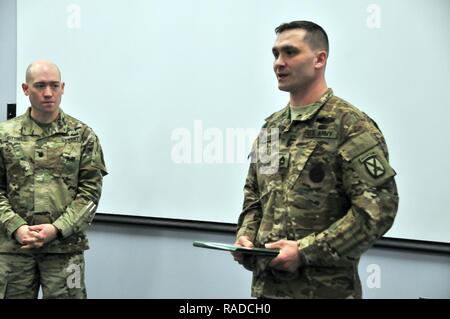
233 248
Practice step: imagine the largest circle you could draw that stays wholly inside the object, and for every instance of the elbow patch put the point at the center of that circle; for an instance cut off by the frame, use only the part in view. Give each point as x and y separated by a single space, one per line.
367 158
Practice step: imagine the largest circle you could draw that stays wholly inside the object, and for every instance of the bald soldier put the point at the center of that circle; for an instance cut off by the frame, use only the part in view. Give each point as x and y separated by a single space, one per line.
51 171
325 192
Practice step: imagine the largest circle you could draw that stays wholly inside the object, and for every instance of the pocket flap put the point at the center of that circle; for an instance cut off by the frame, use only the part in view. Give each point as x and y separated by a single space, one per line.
357 145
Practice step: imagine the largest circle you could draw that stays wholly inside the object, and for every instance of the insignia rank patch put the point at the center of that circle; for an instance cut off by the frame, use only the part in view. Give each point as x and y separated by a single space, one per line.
374 166
284 159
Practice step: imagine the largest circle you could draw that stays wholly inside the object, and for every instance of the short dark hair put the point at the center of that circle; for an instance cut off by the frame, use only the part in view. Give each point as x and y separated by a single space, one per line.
316 37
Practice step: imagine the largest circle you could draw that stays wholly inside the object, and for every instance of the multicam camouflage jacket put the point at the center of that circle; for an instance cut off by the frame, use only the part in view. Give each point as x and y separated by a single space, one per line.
49 175
332 190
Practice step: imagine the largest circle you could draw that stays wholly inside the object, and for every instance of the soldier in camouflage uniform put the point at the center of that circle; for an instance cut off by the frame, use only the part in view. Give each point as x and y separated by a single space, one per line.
51 171
325 192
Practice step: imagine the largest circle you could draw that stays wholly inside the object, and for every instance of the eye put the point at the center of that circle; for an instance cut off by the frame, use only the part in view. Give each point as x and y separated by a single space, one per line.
275 53
291 52
55 85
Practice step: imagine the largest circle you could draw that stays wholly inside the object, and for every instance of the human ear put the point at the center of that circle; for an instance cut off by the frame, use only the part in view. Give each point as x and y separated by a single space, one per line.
321 59
25 88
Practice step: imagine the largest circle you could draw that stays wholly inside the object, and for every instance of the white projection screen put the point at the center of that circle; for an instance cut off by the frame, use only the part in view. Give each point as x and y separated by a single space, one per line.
177 89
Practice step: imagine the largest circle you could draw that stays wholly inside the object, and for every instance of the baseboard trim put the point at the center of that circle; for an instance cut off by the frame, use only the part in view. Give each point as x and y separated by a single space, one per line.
385 242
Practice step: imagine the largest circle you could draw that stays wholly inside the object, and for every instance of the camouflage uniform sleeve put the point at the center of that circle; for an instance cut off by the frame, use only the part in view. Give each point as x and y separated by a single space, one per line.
369 183
250 218
9 220
80 213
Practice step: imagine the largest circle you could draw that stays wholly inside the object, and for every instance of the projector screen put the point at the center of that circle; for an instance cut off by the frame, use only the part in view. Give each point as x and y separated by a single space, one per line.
176 90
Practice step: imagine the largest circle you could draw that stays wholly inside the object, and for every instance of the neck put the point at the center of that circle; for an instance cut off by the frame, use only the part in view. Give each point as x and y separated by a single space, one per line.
44 118
309 94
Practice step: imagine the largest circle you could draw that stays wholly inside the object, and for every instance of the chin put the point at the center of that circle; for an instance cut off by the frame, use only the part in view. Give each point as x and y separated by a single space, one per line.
48 110
283 88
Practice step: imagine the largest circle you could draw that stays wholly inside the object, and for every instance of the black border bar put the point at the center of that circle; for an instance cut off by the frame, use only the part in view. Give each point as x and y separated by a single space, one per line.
385 242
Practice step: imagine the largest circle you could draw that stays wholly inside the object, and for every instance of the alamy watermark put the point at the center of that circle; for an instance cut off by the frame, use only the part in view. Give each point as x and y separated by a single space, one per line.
202 145
74 16
374 277
373 20
74 278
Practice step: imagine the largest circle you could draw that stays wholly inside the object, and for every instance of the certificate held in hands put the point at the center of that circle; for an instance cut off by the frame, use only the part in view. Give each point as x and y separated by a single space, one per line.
238 249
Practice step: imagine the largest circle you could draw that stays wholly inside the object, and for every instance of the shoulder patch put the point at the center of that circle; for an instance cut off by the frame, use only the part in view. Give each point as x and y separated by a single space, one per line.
373 166
366 157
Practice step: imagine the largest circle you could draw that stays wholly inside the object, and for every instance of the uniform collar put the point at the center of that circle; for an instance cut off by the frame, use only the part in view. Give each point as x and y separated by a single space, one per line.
284 114
315 107
31 128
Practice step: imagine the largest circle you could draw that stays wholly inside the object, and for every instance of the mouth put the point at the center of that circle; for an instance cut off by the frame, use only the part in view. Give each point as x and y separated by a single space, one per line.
282 76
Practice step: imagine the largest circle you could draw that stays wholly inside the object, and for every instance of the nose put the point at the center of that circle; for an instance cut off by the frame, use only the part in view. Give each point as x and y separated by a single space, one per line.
279 62
48 91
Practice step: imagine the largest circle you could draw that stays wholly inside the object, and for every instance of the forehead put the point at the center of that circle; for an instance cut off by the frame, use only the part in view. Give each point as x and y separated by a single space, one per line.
45 74
293 37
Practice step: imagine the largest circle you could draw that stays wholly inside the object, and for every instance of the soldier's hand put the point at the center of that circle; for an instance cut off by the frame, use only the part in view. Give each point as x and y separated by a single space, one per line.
242 241
26 237
45 232
289 257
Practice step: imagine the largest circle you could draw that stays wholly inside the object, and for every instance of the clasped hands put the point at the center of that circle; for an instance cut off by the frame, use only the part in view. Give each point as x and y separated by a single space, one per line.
35 236
288 258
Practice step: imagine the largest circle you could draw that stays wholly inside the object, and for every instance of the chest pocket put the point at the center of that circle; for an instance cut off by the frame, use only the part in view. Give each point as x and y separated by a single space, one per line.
299 161
62 158
70 158
17 155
